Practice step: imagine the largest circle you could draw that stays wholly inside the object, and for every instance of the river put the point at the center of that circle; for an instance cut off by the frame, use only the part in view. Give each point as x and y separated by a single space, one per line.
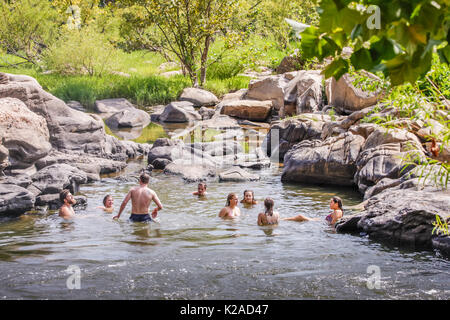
190 253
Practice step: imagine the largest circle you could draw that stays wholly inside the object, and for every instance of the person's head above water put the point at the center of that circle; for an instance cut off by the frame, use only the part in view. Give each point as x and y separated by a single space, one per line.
201 188
249 197
108 201
268 204
144 178
232 200
66 197
336 203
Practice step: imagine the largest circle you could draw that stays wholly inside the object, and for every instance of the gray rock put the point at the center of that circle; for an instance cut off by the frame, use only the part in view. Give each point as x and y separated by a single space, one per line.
190 172
198 97
237 174
23 133
76 105
15 200
53 202
270 88
344 96
401 217
305 92
128 118
247 109
108 107
206 113
180 111
382 156
332 161
160 163
289 132
55 178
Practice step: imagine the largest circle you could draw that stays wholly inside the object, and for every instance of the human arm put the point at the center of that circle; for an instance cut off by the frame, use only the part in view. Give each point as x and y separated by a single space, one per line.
123 205
159 205
260 219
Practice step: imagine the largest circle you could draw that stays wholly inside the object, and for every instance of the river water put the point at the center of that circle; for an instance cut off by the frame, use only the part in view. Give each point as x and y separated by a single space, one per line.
190 253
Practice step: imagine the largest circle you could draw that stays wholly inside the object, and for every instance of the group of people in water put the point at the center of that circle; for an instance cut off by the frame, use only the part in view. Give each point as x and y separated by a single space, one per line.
142 196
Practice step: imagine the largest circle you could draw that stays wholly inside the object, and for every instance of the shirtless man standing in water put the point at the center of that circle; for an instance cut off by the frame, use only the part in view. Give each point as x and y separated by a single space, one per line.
141 198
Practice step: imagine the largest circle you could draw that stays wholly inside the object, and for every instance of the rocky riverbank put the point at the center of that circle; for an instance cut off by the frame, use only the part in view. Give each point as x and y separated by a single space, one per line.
47 146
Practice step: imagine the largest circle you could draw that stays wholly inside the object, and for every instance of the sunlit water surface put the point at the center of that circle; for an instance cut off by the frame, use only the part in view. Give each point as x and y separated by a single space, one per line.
190 253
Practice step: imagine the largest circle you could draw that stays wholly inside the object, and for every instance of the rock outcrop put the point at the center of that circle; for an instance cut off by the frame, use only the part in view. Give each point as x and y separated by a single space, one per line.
332 161
198 97
180 111
402 217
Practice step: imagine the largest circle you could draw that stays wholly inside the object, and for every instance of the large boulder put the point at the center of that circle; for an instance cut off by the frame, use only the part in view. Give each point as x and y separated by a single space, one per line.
198 97
332 161
55 178
283 135
128 118
23 133
180 111
345 97
304 92
247 109
401 217
383 156
270 88
69 129
15 199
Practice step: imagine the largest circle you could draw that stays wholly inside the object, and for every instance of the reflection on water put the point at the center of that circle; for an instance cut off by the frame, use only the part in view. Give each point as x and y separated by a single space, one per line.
192 254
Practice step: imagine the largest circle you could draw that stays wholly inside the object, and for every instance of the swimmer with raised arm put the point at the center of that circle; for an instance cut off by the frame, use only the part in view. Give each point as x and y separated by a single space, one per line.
141 198
231 210
201 190
249 198
108 202
335 205
269 216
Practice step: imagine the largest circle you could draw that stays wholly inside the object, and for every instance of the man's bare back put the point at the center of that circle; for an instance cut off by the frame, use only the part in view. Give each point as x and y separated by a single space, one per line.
141 198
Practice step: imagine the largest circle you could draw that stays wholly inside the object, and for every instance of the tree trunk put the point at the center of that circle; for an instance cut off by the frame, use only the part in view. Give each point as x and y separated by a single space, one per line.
204 61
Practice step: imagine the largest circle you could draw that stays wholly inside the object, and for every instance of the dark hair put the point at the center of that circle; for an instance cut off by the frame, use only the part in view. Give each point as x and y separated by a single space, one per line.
63 195
231 195
106 198
339 202
144 178
202 184
253 194
268 203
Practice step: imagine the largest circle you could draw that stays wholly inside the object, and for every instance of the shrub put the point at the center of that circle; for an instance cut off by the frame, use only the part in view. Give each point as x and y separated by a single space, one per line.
82 52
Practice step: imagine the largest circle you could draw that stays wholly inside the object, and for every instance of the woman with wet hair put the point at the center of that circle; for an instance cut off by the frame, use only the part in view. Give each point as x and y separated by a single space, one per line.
269 216
335 205
249 198
231 209
338 212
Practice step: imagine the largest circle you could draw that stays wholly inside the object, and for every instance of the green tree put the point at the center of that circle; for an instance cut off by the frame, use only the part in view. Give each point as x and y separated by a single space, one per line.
184 28
397 37
27 27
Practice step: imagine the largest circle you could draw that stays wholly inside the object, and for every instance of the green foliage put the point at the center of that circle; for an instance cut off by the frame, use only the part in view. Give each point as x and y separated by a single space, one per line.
81 51
27 27
184 28
400 45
